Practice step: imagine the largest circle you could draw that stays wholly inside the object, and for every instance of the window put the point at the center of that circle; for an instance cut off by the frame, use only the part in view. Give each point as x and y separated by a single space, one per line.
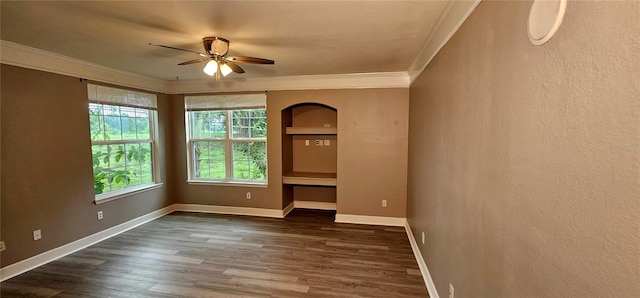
122 140
227 138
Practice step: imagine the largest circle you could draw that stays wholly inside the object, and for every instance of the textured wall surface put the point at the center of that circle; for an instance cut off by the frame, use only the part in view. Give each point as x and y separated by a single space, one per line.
524 161
371 161
47 180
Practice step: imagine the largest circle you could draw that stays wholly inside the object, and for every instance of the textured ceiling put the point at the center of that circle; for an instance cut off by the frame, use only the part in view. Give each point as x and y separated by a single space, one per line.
303 37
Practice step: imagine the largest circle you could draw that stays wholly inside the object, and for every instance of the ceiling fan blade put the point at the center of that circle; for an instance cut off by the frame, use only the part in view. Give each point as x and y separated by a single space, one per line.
250 60
179 49
235 67
207 45
195 61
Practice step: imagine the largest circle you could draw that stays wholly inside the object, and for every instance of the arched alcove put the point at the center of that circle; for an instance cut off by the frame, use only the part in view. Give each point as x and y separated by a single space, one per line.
309 155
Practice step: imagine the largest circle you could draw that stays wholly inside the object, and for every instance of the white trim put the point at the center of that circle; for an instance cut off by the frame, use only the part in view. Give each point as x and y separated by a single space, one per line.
455 14
371 220
262 212
315 205
230 183
287 209
309 82
32 58
69 248
431 287
123 193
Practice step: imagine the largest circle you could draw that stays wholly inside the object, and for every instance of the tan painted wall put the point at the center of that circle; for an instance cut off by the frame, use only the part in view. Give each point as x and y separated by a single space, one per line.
371 161
47 180
315 193
525 160
312 158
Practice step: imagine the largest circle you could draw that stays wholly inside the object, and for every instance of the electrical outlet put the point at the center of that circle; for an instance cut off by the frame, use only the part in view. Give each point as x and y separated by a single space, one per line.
318 142
248 196
37 235
327 142
100 215
422 237
451 291
384 203
2 246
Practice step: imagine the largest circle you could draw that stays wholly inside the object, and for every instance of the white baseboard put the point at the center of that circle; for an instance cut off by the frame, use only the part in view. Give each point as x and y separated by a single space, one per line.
61 251
431 287
230 210
371 220
288 209
314 205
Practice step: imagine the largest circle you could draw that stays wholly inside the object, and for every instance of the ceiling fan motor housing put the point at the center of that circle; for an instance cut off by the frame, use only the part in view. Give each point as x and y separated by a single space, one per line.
215 45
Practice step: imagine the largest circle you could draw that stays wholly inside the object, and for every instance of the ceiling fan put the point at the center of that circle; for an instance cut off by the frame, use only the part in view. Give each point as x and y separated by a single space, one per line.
219 64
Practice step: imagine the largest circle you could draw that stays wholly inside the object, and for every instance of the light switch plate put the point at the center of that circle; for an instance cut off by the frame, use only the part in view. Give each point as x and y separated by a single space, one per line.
37 235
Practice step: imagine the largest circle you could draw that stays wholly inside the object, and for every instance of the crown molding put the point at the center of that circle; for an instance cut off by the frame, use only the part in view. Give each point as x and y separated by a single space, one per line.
32 58
455 14
308 82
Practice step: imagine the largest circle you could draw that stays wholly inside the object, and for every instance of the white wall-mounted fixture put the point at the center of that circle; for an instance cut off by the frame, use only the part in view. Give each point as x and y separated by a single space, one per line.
545 18
37 235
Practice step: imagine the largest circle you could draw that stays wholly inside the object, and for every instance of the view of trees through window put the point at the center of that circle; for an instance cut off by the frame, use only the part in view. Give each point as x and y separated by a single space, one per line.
121 139
245 142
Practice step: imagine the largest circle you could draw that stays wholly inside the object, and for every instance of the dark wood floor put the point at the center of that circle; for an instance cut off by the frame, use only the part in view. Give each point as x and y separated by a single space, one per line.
208 255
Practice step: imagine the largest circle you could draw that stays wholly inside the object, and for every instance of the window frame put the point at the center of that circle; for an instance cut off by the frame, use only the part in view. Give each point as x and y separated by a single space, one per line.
152 141
228 148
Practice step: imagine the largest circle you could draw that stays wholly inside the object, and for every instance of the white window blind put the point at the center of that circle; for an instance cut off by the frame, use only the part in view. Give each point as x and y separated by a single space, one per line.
226 102
121 97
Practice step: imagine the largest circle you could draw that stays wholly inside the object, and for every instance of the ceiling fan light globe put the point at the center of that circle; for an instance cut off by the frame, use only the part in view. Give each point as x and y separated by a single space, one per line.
225 69
211 68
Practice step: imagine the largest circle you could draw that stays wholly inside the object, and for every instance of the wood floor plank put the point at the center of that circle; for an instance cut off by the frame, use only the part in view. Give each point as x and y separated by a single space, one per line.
356 245
259 275
188 291
234 243
270 284
216 237
348 230
186 254
29 291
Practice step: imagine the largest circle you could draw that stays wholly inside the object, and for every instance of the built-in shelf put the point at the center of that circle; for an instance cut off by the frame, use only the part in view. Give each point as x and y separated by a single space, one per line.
306 178
312 130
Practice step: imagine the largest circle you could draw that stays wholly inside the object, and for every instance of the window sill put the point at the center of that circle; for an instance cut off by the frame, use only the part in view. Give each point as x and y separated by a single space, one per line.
228 183
119 194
